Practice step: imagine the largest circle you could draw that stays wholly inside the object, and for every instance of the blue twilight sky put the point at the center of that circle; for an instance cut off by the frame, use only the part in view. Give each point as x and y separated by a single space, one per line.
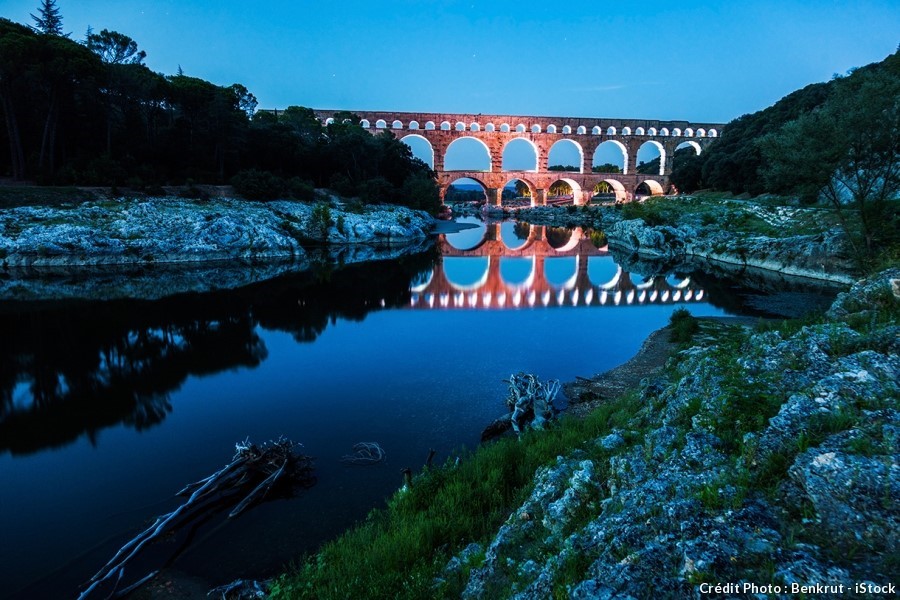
701 61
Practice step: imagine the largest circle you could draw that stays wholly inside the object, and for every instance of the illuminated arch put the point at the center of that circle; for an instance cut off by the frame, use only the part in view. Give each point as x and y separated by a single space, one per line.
577 196
676 132
460 126
396 125
516 141
639 131
618 189
664 132
535 128
532 188
626 130
429 125
688 132
651 131
413 124
712 133
603 271
567 129
489 127
520 128
701 132
329 121
689 143
421 147
380 124
655 187
551 128
445 125
662 154
582 130
607 144
457 151
474 127
365 124
504 128
563 143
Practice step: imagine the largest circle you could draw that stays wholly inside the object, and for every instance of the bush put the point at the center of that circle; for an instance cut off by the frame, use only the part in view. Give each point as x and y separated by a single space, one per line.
342 186
320 220
301 189
377 191
599 239
682 326
254 184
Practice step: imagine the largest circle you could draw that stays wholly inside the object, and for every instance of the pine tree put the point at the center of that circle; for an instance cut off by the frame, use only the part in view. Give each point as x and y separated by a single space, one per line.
49 21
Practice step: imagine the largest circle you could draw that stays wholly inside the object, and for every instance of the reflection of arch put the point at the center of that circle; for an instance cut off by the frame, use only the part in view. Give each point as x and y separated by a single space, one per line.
468 159
689 143
662 154
556 271
603 271
467 239
508 231
424 147
466 273
420 283
566 142
508 267
618 145
518 141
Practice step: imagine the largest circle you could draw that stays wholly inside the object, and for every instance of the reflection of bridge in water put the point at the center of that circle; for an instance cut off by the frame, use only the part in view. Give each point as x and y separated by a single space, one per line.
546 268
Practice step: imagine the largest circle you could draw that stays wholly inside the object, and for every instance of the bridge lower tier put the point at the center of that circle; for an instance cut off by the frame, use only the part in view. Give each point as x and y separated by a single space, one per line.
625 186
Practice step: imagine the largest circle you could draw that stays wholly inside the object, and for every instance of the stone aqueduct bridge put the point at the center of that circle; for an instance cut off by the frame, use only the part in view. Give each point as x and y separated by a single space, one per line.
494 132
492 291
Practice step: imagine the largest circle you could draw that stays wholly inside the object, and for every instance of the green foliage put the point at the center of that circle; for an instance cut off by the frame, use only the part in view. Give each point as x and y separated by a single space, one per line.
606 168
253 184
320 220
683 326
599 239
566 168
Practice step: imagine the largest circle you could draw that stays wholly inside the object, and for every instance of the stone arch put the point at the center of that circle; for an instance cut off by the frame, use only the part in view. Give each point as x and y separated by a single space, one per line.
489 128
397 125
610 130
626 130
676 132
582 130
518 142
551 128
618 189
413 125
532 188
365 124
689 143
467 180
429 126
421 148
474 127
664 132
380 124
595 130
701 132
662 154
577 193
688 132
504 128
655 187
567 129
329 121
562 144
606 145
712 133
651 131
469 159
445 126
460 126
639 131
535 128
520 128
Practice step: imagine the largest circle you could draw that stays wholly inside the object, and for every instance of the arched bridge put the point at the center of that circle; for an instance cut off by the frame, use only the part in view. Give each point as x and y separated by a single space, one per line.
495 132
538 274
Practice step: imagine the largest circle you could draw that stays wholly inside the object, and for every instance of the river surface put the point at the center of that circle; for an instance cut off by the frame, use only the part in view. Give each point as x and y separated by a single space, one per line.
109 408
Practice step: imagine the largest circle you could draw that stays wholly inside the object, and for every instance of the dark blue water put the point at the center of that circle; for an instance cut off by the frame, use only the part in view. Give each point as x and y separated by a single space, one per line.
109 408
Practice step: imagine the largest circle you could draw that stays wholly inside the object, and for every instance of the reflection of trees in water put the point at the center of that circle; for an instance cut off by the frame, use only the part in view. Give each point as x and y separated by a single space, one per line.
558 237
75 369
521 230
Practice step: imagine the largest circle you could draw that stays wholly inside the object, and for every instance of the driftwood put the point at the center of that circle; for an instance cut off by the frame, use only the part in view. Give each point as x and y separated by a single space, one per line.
254 468
365 453
530 401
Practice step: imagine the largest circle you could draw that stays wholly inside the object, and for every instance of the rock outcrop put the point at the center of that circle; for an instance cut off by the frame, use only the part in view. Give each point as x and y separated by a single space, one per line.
766 458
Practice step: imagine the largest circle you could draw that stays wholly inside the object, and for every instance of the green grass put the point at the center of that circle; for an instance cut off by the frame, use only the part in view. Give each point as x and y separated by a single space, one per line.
398 551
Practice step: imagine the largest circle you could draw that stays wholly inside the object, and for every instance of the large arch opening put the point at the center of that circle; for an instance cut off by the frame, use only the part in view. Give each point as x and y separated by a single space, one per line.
465 195
609 190
564 192
651 158
421 148
517 193
520 154
610 157
467 154
690 144
565 155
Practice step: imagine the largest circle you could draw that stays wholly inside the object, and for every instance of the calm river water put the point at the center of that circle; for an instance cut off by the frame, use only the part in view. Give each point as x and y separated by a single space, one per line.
108 408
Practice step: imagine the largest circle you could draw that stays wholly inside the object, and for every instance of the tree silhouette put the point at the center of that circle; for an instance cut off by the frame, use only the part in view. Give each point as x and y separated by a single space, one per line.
49 21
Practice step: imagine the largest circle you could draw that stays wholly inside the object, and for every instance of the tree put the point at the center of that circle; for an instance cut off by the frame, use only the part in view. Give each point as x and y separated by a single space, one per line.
847 152
606 168
49 21
114 48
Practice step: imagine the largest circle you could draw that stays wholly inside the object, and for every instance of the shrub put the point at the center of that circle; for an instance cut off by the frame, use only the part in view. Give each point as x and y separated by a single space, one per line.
320 220
254 184
599 239
377 191
682 326
301 189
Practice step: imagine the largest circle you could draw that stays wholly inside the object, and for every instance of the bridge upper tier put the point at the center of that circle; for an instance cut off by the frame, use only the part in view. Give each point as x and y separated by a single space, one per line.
424 121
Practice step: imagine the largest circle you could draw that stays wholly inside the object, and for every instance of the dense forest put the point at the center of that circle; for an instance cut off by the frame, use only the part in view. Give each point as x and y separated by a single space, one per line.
90 112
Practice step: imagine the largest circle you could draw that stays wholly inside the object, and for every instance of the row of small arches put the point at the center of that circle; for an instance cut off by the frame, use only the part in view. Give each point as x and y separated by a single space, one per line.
521 128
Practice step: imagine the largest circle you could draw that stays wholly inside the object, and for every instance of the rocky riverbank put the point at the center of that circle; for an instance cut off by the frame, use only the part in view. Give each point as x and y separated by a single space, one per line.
759 457
151 248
